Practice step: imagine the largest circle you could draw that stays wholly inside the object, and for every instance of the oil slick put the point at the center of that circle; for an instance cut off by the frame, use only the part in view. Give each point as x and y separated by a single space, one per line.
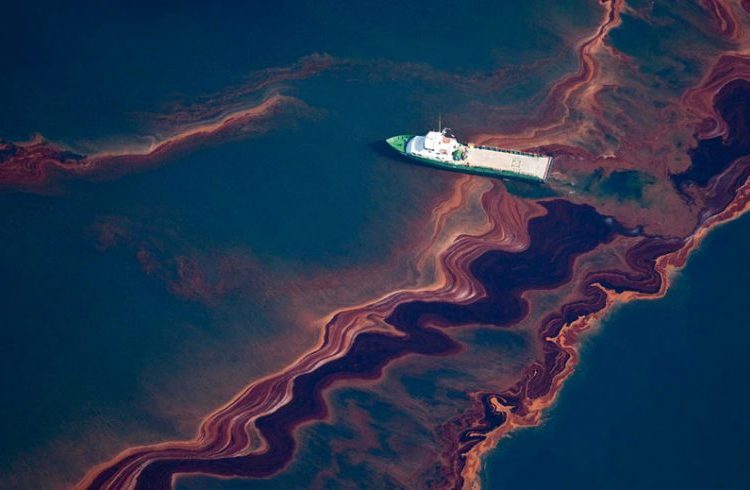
543 269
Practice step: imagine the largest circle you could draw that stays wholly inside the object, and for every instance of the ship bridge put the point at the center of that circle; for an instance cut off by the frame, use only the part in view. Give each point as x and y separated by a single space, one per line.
434 145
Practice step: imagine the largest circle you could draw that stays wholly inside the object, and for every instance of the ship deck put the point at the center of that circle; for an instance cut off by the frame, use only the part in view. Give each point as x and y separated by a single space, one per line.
536 166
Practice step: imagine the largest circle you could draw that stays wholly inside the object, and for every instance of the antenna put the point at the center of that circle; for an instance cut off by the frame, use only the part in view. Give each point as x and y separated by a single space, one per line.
440 122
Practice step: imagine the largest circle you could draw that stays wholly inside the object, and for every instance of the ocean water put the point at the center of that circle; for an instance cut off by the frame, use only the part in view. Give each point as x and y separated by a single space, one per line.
659 400
87 71
102 352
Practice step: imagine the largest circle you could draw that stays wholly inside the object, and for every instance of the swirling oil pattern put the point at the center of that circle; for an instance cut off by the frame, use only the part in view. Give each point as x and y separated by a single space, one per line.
400 357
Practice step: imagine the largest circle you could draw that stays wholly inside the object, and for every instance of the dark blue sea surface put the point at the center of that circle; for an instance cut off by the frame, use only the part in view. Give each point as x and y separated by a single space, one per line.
660 398
98 351
91 339
86 72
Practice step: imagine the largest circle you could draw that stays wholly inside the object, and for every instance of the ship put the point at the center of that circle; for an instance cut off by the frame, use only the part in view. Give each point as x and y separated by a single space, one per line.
442 150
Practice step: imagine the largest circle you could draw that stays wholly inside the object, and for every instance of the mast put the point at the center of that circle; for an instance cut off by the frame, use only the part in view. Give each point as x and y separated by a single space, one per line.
440 122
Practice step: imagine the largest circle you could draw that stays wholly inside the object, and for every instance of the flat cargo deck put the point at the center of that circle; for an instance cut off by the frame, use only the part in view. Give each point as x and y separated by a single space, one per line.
536 166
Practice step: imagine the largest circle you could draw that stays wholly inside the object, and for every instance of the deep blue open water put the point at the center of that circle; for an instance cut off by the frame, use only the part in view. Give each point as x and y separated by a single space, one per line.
87 336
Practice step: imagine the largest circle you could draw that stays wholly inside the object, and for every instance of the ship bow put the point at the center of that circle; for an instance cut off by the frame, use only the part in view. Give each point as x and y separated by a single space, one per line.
399 142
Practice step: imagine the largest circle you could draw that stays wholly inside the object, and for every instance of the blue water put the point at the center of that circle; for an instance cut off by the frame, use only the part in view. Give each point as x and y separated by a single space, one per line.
83 72
87 336
660 398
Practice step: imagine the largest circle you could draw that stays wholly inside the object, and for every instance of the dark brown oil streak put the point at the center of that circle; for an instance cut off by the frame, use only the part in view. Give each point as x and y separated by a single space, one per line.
556 239
566 232
538 379
713 156
39 166
720 167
